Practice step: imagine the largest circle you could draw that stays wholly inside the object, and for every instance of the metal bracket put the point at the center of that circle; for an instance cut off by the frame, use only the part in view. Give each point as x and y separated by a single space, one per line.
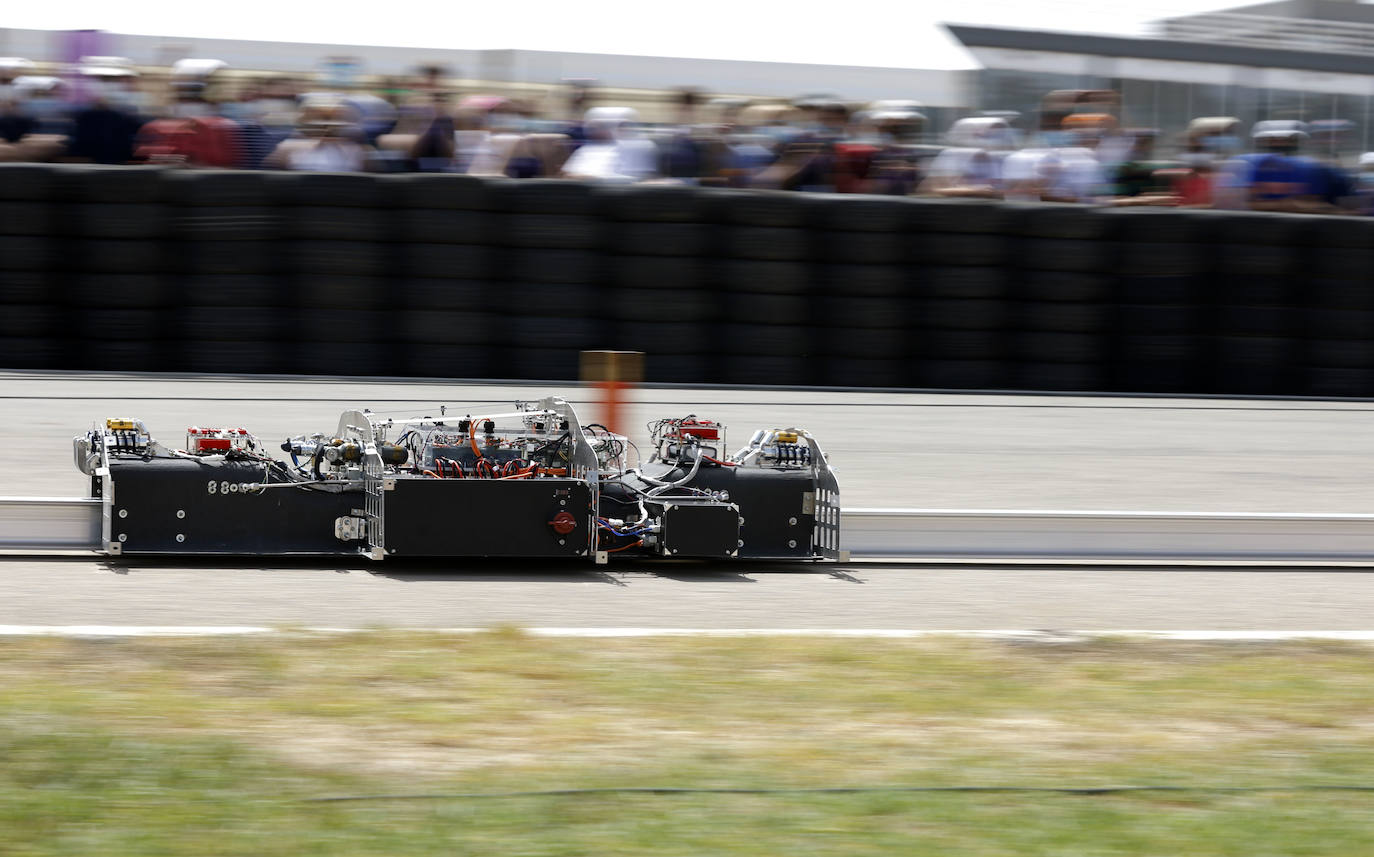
350 528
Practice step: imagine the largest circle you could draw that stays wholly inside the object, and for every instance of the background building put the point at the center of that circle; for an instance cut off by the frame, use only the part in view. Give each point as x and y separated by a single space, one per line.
1297 59
1293 59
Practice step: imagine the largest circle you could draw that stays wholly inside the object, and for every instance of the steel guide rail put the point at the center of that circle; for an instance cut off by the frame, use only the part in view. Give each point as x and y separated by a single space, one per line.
36 524
50 523
1058 535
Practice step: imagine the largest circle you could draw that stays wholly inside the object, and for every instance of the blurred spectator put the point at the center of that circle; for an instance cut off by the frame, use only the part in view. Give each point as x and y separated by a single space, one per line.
897 166
762 131
818 143
679 152
1188 185
581 93
614 150
327 139
972 164
1364 184
255 142
493 132
193 135
1211 137
1138 179
1328 180
809 162
15 121
44 98
422 122
11 68
35 122
103 130
1271 177
1075 172
1065 168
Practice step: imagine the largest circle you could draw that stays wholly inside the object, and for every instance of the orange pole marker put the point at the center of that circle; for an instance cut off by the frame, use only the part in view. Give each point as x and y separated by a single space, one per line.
613 373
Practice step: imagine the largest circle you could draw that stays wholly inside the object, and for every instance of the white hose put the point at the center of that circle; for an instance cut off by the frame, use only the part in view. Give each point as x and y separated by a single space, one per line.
664 486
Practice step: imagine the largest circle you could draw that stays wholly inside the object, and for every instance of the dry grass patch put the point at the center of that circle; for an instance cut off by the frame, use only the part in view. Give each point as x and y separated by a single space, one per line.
252 722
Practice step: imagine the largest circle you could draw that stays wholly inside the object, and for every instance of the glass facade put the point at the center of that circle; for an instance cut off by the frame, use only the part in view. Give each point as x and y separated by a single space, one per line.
1169 106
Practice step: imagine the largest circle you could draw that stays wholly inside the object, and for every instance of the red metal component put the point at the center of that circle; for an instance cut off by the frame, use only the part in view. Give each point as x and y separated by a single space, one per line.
699 429
563 523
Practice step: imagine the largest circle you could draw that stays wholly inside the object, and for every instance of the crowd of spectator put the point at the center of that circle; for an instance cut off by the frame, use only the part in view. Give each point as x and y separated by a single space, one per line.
1078 151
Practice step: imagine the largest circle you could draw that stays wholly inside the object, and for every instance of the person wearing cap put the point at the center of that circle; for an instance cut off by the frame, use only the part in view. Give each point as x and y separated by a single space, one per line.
327 139
193 135
11 68
103 131
971 166
15 122
34 119
1272 177
1074 171
761 133
614 151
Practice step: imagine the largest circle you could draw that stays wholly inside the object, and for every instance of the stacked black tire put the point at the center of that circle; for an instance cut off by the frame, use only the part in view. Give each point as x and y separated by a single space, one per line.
1163 300
116 262
234 302
340 262
958 263
661 265
1338 317
448 307
768 331
554 293
870 308
136 268
33 327
1064 264
1256 302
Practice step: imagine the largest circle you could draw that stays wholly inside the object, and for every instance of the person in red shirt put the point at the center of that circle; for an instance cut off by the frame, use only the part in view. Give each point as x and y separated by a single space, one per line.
193 135
1194 186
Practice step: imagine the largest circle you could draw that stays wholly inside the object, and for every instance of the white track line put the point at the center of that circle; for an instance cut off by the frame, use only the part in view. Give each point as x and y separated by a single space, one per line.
896 634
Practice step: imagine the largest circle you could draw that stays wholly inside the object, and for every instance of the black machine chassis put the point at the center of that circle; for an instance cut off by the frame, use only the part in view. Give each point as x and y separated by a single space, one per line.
161 503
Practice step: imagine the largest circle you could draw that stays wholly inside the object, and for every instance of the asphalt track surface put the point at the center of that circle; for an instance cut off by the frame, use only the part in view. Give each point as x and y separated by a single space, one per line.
912 450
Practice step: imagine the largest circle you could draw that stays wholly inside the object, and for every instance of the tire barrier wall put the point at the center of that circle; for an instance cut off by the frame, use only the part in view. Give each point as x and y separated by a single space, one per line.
135 268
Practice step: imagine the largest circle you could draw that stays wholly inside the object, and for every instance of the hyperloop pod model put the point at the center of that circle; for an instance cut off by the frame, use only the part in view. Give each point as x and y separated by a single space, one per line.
533 482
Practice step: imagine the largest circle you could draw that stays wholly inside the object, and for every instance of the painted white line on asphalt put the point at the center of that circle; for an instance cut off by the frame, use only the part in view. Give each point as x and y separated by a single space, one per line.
874 633
131 630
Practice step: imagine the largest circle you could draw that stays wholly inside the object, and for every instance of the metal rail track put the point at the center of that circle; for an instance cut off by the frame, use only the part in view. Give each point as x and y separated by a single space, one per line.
36 524
49 523
1071 536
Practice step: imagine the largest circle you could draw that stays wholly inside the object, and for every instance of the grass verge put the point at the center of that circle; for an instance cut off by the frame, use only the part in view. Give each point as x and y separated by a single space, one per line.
213 746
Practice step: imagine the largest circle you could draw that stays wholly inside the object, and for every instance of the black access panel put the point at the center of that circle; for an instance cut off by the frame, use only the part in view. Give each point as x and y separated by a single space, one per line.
199 506
488 517
700 529
778 508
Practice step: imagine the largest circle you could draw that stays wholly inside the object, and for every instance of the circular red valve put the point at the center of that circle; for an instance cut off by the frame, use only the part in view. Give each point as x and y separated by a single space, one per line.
563 523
